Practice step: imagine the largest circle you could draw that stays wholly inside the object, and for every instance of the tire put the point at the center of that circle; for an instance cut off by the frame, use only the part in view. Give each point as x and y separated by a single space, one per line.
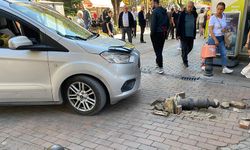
84 95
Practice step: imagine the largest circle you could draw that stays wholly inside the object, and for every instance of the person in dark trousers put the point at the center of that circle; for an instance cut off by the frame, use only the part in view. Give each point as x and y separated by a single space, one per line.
171 28
175 18
159 28
148 18
135 15
126 23
186 30
142 22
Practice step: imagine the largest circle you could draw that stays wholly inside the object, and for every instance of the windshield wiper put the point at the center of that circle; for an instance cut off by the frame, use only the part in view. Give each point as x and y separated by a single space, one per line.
75 37
94 35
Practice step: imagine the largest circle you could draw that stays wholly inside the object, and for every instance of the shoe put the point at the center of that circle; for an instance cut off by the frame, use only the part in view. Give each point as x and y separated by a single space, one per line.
203 67
227 70
160 71
245 70
178 48
186 65
143 42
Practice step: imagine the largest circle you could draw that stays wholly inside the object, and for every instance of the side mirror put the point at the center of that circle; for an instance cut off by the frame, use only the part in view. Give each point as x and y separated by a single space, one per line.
19 42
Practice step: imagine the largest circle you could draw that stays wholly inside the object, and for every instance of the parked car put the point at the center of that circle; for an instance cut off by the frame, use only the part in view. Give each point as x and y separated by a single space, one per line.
46 58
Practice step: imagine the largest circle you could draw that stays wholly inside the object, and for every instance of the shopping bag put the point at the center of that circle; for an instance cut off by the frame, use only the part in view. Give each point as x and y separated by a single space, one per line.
208 51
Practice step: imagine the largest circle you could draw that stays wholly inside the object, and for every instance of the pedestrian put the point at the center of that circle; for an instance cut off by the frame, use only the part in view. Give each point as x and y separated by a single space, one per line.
142 22
186 30
79 19
200 22
171 27
217 30
148 18
86 17
246 70
108 26
135 15
159 27
175 18
126 23
206 22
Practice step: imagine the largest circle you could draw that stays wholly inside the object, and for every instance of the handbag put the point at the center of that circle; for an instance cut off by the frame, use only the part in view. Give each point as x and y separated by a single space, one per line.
208 51
228 36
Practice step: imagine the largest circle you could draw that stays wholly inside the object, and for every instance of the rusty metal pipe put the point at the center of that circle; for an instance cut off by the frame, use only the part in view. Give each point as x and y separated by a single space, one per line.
190 104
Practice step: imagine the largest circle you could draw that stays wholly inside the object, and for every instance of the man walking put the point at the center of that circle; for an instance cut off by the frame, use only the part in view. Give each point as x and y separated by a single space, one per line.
86 17
159 27
142 22
175 18
186 30
171 28
126 23
135 15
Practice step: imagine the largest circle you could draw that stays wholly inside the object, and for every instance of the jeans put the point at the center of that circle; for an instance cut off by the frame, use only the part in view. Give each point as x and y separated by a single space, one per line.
127 31
186 47
158 40
221 48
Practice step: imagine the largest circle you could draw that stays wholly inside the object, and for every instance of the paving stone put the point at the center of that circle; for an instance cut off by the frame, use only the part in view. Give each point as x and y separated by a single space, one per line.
144 141
161 145
146 147
89 144
131 144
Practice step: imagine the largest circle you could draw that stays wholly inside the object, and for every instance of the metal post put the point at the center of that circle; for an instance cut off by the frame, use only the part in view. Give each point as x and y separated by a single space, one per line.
208 67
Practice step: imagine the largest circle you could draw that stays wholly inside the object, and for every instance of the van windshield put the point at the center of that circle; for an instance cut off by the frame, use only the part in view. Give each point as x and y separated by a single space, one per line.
53 20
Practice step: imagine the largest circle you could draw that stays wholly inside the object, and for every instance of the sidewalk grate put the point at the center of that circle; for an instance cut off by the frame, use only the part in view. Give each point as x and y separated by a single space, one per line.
190 78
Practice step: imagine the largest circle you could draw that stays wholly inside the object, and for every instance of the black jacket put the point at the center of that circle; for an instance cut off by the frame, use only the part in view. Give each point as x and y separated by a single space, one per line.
142 19
159 20
131 20
181 25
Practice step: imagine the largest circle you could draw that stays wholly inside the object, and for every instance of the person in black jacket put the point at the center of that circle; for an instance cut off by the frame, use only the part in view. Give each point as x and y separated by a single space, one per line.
142 22
186 30
126 23
159 28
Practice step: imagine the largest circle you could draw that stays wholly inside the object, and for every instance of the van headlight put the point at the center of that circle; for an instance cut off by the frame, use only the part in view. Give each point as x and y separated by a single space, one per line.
117 57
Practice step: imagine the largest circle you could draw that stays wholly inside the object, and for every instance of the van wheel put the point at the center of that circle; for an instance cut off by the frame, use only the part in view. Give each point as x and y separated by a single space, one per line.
84 95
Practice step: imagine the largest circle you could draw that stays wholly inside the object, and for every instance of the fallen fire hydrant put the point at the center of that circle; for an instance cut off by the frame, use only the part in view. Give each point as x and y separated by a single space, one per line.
175 105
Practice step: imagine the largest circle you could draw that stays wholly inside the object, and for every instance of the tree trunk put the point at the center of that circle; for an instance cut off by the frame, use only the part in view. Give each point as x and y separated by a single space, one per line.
116 6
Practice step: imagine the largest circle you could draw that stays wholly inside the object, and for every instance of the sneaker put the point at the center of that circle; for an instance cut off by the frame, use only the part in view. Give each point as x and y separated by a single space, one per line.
156 66
178 48
203 67
227 70
245 70
160 71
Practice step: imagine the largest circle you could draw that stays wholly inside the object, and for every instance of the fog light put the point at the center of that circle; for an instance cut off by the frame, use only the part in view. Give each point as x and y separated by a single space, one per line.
128 85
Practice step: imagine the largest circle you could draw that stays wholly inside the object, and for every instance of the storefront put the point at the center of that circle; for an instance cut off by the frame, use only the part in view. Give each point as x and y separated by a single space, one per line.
238 19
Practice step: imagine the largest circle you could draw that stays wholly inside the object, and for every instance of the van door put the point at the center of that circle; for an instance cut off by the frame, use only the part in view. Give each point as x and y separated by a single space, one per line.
24 73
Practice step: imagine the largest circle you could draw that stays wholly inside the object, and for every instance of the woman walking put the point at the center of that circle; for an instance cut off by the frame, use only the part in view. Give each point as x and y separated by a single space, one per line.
217 30
200 21
108 26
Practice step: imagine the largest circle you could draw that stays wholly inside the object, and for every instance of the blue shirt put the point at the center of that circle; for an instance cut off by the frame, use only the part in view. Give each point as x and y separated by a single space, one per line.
189 25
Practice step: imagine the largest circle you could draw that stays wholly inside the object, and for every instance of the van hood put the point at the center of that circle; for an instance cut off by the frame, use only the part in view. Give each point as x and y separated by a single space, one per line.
103 43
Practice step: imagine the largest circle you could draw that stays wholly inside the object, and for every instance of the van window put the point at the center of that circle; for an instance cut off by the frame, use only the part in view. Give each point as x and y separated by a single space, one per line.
52 20
12 27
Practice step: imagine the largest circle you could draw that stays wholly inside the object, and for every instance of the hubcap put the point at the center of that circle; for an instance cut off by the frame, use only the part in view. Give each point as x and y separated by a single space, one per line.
81 96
